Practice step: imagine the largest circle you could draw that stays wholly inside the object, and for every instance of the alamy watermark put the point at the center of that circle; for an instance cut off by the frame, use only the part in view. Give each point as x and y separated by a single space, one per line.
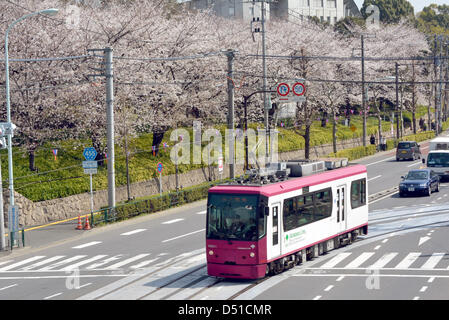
206 147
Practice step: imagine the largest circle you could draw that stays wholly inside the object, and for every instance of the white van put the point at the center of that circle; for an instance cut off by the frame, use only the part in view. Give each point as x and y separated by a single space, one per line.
438 161
440 143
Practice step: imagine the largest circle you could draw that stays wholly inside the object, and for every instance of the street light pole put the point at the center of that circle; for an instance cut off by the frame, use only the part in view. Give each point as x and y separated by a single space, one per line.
51 11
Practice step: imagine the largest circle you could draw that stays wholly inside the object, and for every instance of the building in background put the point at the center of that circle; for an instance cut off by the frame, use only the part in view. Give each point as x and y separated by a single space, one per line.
325 10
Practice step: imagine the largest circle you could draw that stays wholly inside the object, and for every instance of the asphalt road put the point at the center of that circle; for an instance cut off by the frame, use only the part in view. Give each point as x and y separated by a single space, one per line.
161 256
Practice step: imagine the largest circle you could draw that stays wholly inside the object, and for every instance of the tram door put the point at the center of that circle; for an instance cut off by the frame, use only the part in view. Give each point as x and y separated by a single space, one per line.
274 233
341 207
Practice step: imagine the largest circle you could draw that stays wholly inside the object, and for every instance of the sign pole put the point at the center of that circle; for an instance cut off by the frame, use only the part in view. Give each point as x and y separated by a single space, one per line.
160 183
91 196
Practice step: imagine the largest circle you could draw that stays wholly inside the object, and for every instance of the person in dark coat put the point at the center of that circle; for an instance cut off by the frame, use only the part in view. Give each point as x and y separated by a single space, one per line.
372 139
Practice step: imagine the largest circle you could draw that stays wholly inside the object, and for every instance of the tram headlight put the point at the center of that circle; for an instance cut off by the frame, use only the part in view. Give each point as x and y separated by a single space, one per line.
252 255
211 252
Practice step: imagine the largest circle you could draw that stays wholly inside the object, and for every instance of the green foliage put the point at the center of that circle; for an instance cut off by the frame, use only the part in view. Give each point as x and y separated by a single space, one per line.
434 19
391 11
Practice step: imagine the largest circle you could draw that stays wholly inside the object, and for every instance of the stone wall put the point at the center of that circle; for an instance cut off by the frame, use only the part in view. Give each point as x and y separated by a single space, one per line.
37 213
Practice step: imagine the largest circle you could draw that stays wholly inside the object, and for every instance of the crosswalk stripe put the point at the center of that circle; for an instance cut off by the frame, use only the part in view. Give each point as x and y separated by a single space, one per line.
20 263
6 262
383 260
335 260
61 263
143 263
102 263
408 260
359 260
432 261
84 262
41 263
127 261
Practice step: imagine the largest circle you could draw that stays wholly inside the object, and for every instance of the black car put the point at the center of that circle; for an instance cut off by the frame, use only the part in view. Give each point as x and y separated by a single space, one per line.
419 181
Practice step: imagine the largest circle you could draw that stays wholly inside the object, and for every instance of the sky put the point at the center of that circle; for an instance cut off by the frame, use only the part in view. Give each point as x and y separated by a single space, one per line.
418 5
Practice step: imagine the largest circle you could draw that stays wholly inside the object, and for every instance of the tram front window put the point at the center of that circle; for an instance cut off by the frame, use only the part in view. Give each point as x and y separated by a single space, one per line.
232 217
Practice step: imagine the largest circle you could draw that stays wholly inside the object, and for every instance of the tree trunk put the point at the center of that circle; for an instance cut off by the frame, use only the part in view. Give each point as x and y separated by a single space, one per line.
334 132
31 160
307 142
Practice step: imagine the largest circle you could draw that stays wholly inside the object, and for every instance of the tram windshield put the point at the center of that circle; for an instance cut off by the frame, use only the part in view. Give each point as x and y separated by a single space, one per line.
233 217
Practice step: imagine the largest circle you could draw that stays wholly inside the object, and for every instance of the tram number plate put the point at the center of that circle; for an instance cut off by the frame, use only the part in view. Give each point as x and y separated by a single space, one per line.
411 189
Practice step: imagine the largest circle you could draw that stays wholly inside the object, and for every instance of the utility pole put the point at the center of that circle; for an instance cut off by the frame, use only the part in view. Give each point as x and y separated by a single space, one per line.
363 90
266 103
264 86
110 125
434 86
2 216
107 72
440 87
230 54
397 98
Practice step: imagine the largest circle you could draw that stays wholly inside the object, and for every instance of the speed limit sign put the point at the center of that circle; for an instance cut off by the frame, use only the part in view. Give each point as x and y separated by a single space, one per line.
299 89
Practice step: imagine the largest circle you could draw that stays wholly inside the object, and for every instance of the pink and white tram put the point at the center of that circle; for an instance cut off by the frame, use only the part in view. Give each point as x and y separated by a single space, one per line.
255 230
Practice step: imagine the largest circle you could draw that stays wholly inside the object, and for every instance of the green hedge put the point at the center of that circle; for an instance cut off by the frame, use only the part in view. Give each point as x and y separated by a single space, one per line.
354 153
155 203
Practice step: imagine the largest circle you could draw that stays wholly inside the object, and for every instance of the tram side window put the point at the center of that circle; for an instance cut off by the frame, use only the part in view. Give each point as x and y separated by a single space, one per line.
323 204
358 193
301 210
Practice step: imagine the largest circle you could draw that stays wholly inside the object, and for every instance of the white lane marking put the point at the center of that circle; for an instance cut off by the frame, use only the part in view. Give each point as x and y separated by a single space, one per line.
317 298
408 260
414 164
11 286
132 232
172 221
83 262
431 279
53 295
383 260
366 165
81 246
41 263
340 278
374 177
184 235
416 298
433 260
359 260
377 247
85 285
423 289
11 266
202 212
127 261
329 288
335 260
60 263
385 240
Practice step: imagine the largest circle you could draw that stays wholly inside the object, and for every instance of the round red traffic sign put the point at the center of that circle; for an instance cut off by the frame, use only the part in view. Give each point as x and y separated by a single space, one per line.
299 89
283 89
